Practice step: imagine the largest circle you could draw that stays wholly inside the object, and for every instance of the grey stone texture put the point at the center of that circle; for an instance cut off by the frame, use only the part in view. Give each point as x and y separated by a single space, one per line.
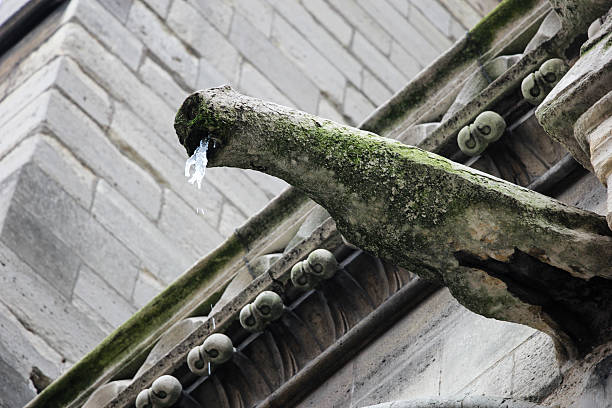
96 216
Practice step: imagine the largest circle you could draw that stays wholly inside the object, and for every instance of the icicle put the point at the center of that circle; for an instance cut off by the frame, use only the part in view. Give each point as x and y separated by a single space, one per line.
198 161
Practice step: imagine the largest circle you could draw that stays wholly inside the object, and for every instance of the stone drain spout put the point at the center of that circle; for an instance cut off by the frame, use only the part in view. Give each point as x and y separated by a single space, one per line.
502 250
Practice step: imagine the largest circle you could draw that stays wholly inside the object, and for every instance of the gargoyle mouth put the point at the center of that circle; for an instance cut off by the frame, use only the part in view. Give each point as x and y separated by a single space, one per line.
192 126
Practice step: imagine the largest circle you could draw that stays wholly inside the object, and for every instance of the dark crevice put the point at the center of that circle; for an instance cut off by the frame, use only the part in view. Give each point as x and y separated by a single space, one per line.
581 308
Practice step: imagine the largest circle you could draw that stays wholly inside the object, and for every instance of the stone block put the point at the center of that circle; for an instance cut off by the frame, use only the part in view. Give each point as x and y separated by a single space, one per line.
437 37
405 62
356 106
44 310
417 376
418 333
400 29
83 91
116 78
495 382
477 343
329 111
231 218
189 25
259 12
536 371
162 83
329 80
158 38
69 124
378 63
147 287
253 83
187 228
270 60
403 6
107 29
53 208
209 76
101 298
218 13
17 391
158 253
24 123
462 11
34 242
324 42
56 161
21 97
436 14
374 89
159 6
335 392
119 8
165 159
238 189
586 193
330 19
363 22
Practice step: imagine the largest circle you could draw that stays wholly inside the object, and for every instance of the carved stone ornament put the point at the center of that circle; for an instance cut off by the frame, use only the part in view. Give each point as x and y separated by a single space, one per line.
164 392
267 307
216 349
537 85
487 128
320 265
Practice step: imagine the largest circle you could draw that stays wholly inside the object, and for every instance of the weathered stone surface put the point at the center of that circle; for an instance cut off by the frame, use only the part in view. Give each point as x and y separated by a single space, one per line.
106 393
268 58
356 105
494 382
259 12
147 286
374 89
115 77
322 73
314 220
218 13
69 124
474 262
330 19
204 38
188 226
161 81
549 27
104 300
417 133
422 49
363 22
150 30
157 253
241 191
272 186
254 83
50 205
231 218
24 123
319 37
536 371
61 325
377 62
107 29
404 61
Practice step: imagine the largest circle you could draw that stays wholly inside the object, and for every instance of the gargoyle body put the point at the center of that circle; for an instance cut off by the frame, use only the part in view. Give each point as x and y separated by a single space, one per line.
502 250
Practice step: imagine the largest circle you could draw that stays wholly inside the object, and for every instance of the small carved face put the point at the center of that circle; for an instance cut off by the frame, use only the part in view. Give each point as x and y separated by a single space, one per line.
197 361
218 348
249 320
537 85
487 128
268 305
164 392
323 263
300 277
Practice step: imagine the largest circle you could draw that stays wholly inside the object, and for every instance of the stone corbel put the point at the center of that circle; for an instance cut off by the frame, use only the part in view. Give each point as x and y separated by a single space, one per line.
578 110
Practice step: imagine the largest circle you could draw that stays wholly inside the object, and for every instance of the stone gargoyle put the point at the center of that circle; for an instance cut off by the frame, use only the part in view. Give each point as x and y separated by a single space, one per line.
503 251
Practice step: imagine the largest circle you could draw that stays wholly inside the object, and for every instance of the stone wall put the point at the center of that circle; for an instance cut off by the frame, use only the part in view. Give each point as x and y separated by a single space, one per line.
95 214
